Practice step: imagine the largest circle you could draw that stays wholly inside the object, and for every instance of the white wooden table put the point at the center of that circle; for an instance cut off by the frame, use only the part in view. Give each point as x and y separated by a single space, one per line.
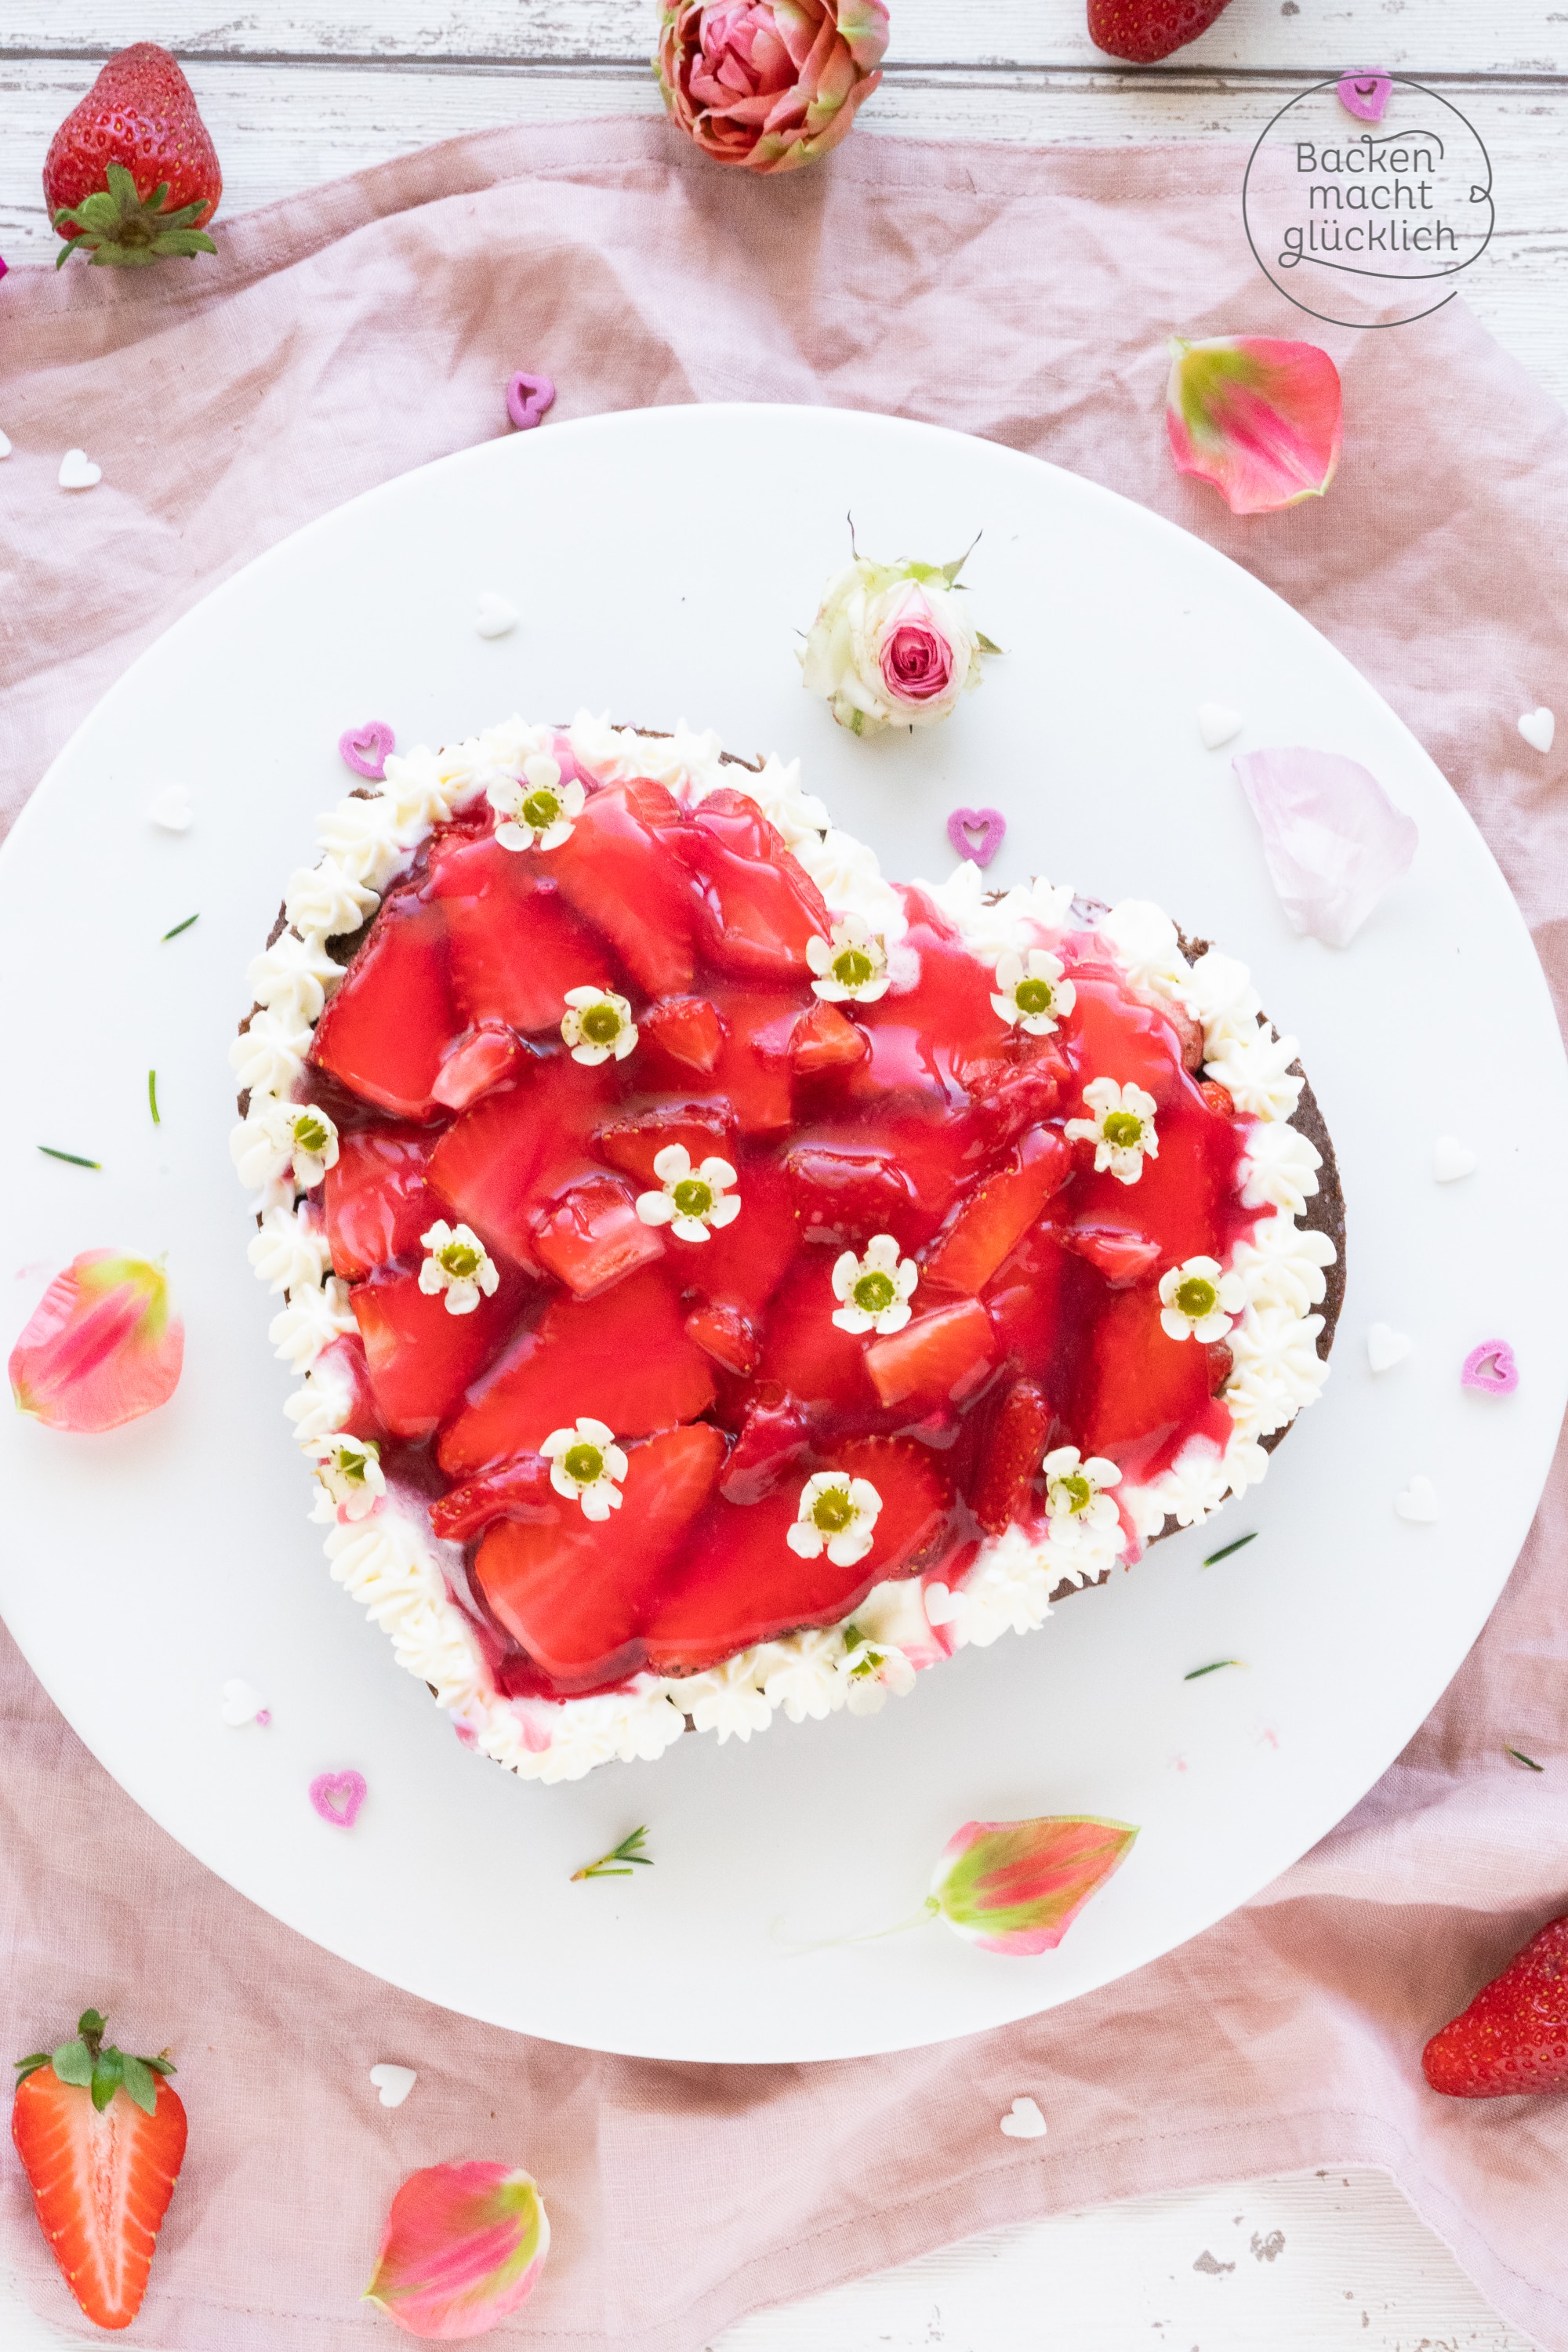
298 91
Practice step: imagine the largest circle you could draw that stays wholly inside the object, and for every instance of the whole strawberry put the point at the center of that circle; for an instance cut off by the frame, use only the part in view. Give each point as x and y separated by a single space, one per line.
131 174
1142 31
101 2137
1514 2035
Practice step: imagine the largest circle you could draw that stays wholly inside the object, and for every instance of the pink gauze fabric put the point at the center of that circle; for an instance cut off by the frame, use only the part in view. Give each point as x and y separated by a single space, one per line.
342 338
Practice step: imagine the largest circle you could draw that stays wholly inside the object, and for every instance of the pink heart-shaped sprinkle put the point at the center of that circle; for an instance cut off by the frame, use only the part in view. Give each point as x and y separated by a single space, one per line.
364 748
1366 95
527 398
977 832
1491 1368
338 1796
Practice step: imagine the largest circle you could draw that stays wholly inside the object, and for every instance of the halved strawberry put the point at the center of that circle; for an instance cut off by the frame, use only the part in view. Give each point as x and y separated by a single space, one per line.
985 1227
938 1359
574 1592
1119 1254
738 1580
804 1349
386 1029
592 1236
1116 1035
101 2136
377 1200
421 1358
706 1128
501 1164
619 872
1040 1300
824 1041
774 1434
727 1335
756 907
521 1485
753 1070
1003 1486
743 1264
475 1061
1140 1390
622 1358
1220 1099
517 945
846 1190
688 1029
1183 1200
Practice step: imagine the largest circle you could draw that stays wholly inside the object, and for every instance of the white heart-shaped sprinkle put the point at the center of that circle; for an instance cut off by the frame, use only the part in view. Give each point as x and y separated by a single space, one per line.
1537 727
240 1703
171 809
1418 1504
1217 725
1024 2121
5 446
394 2083
493 616
1451 1160
77 471
940 1608
1385 1346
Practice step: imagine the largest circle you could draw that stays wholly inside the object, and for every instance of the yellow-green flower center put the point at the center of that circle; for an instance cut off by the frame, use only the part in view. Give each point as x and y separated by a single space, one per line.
1123 1129
582 1461
601 1024
310 1135
540 809
693 1197
1032 996
833 1511
351 1467
852 968
1195 1298
460 1260
875 1292
1078 1492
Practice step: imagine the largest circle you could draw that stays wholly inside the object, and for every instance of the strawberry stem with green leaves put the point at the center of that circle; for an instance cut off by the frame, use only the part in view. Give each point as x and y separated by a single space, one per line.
118 227
91 2066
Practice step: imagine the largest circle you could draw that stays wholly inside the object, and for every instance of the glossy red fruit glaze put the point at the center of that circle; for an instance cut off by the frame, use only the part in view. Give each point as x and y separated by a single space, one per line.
717 1363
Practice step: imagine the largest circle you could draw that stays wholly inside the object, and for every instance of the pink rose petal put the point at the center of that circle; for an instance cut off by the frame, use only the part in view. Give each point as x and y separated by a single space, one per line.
464 2245
1258 418
1332 839
103 1345
1017 1886
1365 95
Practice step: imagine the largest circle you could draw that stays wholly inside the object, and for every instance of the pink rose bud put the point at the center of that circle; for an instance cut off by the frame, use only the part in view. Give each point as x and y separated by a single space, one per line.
770 84
464 2245
104 1346
1017 1886
1257 418
917 659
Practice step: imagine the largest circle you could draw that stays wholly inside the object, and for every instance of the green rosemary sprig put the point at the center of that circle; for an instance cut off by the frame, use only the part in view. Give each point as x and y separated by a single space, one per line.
1520 1756
179 928
1226 1549
628 1851
74 1158
1198 1672
152 1096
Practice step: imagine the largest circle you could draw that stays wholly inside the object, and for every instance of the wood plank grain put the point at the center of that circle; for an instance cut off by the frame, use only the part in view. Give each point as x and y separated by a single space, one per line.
1301 36
284 128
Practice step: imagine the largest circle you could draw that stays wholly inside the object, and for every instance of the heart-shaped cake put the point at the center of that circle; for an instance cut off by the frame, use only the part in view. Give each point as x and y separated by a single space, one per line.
724 1280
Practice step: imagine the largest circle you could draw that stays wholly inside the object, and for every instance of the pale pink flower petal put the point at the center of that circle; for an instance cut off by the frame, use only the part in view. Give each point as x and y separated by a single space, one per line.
1017 1886
1332 839
103 1345
464 2245
1258 418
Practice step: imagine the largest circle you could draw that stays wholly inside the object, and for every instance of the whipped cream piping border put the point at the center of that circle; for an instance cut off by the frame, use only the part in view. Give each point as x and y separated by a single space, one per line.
411 1584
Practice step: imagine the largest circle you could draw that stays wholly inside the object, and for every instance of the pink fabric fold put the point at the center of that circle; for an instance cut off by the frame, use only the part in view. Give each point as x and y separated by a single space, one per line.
344 337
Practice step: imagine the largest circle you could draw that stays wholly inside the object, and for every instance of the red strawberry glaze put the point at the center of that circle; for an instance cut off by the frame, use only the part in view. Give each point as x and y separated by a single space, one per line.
718 1366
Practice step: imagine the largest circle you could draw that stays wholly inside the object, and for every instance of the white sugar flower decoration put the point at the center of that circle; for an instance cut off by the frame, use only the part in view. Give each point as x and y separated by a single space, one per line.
872 1669
1032 995
693 1198
349 1470
1122 1130
875 1290
1197 1301
837 1514
1075 1491
853 963
597 1024
586 1465
460 1264
536 809
312 1141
